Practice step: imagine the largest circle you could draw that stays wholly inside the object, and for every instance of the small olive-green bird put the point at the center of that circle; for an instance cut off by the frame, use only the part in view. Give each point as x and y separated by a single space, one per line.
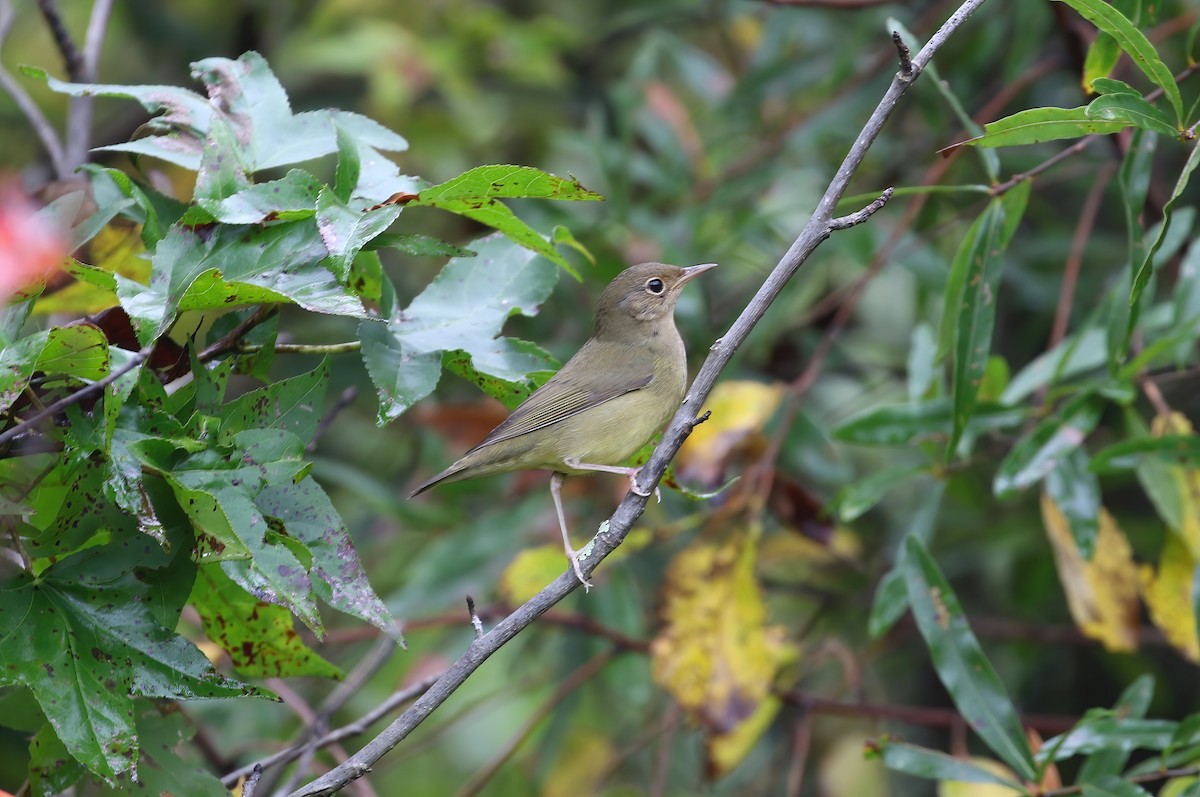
606 402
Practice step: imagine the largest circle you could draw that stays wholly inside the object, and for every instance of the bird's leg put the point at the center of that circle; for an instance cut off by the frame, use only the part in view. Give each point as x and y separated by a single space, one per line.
556 480
630 473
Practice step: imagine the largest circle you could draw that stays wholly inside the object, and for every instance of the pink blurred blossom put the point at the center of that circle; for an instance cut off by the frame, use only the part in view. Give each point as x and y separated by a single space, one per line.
31 246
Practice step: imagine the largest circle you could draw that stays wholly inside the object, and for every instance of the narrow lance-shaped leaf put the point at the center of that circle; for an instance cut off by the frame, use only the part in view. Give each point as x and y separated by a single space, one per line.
1108 19
1075 490
1132 704
1036 125
891 595
961 664
1134 181
1133 110
1051 441
977 267
930 764
1145 268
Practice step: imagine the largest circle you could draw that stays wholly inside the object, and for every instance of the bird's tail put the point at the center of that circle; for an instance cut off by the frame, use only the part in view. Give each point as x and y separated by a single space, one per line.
447 475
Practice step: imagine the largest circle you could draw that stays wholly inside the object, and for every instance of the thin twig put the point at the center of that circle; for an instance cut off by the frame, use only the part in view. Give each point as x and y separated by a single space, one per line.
74 398
801 742
666 743
344 400
80 110
815 231
376 657
859 216
234 337
304 348
576 679
72 59
1083 232
915 715
355 728
29 109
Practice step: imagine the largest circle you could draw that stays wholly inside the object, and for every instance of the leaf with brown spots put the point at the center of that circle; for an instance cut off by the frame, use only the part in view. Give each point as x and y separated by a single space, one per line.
259 637
91 632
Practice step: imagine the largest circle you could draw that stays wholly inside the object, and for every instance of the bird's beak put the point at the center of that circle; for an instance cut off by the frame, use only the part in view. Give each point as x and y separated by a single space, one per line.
695 271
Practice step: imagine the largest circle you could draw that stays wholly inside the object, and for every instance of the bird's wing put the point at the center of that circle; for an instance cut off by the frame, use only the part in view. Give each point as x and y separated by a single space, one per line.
574 389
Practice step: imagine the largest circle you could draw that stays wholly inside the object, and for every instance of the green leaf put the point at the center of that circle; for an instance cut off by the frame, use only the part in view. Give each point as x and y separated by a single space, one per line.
258 636
1134 180
79 352
224 167
475 194
961 665
1102 56
976 275
345 231
1107 732
294 405
1132 704
1076 492
1037 125
1135 44
1129 454
932 765
417 245
463 309
902 424
1049 444
183 122
856 499
233 265
154 211
161 768
349 167
291 197
1186 304
1133 110
891 594
527 365
252 99
1144 270
91 632
52 768
1107 85
922 354
1113 786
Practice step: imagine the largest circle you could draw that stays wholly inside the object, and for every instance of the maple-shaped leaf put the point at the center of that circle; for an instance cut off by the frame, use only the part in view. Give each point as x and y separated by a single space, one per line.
95 630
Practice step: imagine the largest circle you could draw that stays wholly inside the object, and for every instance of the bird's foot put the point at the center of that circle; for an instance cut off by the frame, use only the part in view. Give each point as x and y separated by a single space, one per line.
578 568
633 485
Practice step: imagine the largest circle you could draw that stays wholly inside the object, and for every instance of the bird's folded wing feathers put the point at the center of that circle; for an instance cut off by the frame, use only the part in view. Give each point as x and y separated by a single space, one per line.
562 397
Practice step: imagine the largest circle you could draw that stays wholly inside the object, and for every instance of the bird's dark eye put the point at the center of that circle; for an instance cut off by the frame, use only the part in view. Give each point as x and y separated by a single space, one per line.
654 285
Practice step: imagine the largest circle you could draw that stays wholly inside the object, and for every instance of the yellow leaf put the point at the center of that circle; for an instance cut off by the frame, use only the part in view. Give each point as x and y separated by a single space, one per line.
715 653
958 788
581 767
739 410
1176 786
530 570
1102 593
1168 596
1186 482
117 248
726 750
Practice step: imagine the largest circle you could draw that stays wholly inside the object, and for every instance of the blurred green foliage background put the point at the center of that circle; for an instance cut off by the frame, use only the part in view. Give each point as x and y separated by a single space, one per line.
711 128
